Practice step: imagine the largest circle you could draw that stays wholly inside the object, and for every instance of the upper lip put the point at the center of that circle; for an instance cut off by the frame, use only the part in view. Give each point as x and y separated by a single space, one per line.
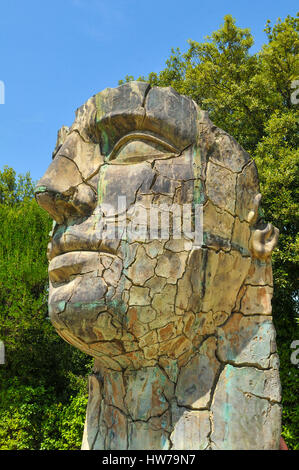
53 253
65 242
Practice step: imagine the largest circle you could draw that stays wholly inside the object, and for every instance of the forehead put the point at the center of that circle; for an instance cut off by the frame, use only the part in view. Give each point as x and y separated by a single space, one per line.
135 106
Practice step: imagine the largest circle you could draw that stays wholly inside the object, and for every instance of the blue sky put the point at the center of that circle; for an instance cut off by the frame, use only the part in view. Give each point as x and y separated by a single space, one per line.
56 54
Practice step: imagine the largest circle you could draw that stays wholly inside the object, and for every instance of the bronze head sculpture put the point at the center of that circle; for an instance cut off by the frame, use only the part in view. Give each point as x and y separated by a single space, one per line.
159 267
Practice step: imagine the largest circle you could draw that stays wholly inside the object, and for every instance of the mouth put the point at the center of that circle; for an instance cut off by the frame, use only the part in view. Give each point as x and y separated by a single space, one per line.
75 247
65 267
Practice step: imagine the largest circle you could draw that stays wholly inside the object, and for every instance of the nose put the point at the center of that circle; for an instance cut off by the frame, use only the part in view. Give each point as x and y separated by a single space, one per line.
62 191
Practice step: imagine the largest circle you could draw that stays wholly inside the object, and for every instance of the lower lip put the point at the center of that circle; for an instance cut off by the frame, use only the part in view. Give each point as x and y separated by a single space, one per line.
63 267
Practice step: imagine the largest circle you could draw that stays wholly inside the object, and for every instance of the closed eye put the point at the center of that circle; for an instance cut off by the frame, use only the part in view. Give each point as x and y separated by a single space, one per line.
137 147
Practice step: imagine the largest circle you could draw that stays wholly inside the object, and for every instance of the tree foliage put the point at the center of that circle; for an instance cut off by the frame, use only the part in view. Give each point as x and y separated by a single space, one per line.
249 96
43 381
13 189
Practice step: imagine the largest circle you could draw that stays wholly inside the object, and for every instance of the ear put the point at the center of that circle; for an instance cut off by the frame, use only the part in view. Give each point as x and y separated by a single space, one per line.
254 213
264 236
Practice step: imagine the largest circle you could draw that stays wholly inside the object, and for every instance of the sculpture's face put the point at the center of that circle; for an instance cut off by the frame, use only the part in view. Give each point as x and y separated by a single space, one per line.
120 289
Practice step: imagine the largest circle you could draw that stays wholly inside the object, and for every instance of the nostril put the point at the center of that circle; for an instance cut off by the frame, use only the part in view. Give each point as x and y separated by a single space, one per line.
47 200
40 189
62 206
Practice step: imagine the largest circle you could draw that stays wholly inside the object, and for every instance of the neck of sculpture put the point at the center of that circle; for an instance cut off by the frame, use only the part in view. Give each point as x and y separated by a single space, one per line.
149 408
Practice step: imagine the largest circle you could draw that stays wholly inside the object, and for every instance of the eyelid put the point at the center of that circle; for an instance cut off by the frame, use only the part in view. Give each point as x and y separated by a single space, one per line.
144 137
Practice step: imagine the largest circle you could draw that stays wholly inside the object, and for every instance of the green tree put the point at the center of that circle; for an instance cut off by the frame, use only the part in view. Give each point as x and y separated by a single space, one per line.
13 189
41 381
249 96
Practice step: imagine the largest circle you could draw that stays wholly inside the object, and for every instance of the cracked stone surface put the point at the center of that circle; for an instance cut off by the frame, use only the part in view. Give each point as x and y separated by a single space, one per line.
181 332
250 398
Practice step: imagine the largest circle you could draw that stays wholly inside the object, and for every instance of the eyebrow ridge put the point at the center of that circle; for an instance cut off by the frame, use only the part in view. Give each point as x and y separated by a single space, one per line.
144 136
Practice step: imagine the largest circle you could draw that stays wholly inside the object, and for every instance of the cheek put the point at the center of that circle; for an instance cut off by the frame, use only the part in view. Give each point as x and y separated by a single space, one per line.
154 271
125 182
